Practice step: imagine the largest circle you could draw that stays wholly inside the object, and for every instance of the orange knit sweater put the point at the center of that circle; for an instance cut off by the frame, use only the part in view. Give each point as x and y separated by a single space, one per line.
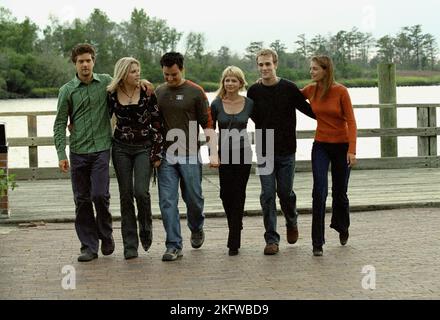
335 116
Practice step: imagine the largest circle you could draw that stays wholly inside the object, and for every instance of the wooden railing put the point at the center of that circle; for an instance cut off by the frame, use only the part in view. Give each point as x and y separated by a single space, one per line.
426 131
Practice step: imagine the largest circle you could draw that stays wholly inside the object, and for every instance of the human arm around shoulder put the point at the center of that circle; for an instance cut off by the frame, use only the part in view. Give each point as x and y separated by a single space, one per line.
307 91
59 129
146 86
212 140
251 95
111 102
301 104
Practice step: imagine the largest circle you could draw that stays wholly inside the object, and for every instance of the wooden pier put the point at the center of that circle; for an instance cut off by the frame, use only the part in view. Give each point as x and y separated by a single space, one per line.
45 193
52 200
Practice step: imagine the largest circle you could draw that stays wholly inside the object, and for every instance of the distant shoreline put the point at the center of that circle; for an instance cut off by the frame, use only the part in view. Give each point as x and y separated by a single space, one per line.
405 81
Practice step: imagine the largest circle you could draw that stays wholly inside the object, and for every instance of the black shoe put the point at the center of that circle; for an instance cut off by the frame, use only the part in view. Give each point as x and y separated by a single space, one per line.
108 246
130 255
146 244
87 256
233 252
343 237
197 239
317 251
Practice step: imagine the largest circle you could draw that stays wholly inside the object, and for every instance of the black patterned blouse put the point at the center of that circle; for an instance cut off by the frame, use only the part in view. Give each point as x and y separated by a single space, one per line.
138 124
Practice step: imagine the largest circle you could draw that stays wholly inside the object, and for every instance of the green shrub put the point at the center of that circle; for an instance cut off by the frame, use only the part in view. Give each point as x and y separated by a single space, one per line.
6 182
209 86
44 93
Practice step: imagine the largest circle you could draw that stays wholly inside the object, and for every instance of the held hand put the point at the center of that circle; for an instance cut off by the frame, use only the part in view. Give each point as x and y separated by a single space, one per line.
351 159
214 161
156 164
214 165
64 165
147 86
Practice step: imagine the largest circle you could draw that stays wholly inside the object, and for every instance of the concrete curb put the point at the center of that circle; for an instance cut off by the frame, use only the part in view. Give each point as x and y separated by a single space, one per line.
218 214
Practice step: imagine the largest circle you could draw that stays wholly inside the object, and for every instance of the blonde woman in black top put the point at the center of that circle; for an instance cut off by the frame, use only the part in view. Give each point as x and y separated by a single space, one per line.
231 111
136 149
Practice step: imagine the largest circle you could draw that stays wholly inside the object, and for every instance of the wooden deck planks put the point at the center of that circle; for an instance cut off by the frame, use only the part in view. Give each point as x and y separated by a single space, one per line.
52 199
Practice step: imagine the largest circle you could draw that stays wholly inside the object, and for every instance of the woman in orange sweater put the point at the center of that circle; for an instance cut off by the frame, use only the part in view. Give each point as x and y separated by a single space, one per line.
335 143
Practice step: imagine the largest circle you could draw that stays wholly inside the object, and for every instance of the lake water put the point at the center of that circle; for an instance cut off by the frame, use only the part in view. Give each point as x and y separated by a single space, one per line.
366 118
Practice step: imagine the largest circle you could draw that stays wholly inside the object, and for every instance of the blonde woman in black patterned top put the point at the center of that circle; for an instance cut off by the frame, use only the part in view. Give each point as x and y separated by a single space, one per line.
137 145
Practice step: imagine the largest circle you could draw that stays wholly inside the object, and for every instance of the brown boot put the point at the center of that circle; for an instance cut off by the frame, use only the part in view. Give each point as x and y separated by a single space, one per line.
271 249
292 234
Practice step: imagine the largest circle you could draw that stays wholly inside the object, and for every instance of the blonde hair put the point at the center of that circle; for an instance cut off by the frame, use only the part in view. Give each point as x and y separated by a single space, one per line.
267 52
231 71
122 69
326 63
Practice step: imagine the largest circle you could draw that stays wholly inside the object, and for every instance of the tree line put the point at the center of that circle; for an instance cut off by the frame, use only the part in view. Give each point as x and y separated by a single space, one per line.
35 62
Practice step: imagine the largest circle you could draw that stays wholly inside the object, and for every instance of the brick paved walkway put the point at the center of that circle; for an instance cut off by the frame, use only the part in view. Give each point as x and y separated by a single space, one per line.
402 246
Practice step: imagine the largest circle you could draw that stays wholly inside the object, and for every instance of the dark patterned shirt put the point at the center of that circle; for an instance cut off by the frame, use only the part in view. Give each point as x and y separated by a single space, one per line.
138 124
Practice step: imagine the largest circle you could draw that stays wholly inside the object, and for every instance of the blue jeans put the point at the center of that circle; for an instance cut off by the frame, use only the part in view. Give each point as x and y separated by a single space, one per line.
189 175
90 184
322 155
133 170
280 182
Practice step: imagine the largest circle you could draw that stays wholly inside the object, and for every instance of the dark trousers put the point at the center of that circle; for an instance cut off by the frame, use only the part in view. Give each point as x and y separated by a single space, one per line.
90 184
322 155
233 181
133 170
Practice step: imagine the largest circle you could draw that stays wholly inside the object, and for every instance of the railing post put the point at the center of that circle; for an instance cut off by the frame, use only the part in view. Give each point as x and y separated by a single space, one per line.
4 199
388 117
32 132
426 146
433 139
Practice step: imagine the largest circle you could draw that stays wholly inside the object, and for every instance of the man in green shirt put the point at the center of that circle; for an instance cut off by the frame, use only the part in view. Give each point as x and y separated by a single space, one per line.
84 101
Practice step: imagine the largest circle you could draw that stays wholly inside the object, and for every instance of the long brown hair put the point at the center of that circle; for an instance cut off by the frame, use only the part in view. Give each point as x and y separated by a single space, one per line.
326 63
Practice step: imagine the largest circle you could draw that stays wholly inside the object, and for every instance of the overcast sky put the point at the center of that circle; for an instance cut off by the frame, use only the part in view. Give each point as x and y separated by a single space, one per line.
235 23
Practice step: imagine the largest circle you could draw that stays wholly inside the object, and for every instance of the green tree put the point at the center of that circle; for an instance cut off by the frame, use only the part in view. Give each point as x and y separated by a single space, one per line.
431 50
135 34
252 50
416 39
19 36
280 48
403 50
318 46
224 56
195 45
386 49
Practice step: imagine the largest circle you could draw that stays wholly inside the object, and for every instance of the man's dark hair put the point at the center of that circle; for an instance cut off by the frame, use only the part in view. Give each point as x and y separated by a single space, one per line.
82 48
169 59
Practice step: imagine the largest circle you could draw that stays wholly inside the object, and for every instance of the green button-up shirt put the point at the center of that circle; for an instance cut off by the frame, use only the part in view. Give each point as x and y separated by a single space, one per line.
91 130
